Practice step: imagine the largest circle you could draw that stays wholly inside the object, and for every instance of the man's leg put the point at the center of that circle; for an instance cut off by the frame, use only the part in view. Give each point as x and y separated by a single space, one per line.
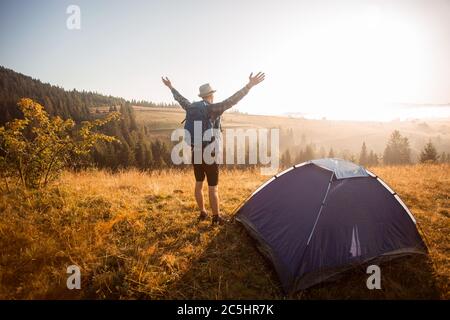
199 177
199 195
214 199
212 174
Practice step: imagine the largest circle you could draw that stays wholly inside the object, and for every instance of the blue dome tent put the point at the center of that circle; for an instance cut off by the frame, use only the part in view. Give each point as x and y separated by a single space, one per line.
324 216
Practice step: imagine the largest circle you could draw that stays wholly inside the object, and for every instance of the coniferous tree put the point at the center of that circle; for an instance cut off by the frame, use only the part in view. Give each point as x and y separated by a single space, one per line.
373 159
286 160
309 153
148 157
140 154
429 153
397 150
363 156
443 158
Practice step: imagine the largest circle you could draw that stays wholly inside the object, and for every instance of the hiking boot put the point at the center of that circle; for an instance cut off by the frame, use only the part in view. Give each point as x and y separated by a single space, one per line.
203 215
216 219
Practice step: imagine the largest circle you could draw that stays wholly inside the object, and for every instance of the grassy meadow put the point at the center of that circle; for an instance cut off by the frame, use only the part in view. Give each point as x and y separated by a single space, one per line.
135 235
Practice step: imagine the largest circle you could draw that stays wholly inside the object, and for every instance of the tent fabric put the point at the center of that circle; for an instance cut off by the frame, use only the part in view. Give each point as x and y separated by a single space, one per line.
312 222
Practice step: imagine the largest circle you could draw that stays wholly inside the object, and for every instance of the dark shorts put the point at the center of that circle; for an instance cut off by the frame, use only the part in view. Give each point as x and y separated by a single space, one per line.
211 171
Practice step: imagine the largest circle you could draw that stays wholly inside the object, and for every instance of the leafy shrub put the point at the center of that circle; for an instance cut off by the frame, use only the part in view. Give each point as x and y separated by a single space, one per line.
35 149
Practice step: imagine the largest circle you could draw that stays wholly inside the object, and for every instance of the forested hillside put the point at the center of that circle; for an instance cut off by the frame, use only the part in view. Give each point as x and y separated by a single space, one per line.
57 101
136 148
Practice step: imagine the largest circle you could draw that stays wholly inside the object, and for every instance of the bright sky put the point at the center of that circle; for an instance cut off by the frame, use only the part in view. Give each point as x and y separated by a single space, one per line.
339 59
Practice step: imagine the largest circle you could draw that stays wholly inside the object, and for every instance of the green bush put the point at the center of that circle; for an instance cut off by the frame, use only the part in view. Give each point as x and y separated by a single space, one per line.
34 150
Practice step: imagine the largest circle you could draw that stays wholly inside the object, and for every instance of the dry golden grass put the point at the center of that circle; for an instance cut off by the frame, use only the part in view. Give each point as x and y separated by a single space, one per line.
135 235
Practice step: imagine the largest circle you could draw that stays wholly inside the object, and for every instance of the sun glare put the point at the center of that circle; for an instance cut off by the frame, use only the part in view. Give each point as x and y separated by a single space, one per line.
352 66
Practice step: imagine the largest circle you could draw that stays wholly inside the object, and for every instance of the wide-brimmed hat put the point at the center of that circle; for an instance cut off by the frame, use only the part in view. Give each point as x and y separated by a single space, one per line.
205 90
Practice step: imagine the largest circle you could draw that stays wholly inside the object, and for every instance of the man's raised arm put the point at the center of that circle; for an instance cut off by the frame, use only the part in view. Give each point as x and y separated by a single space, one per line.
216 109
176 95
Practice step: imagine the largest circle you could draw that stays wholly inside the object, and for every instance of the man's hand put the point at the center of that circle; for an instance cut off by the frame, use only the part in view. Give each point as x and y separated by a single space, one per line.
167 82
254 80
